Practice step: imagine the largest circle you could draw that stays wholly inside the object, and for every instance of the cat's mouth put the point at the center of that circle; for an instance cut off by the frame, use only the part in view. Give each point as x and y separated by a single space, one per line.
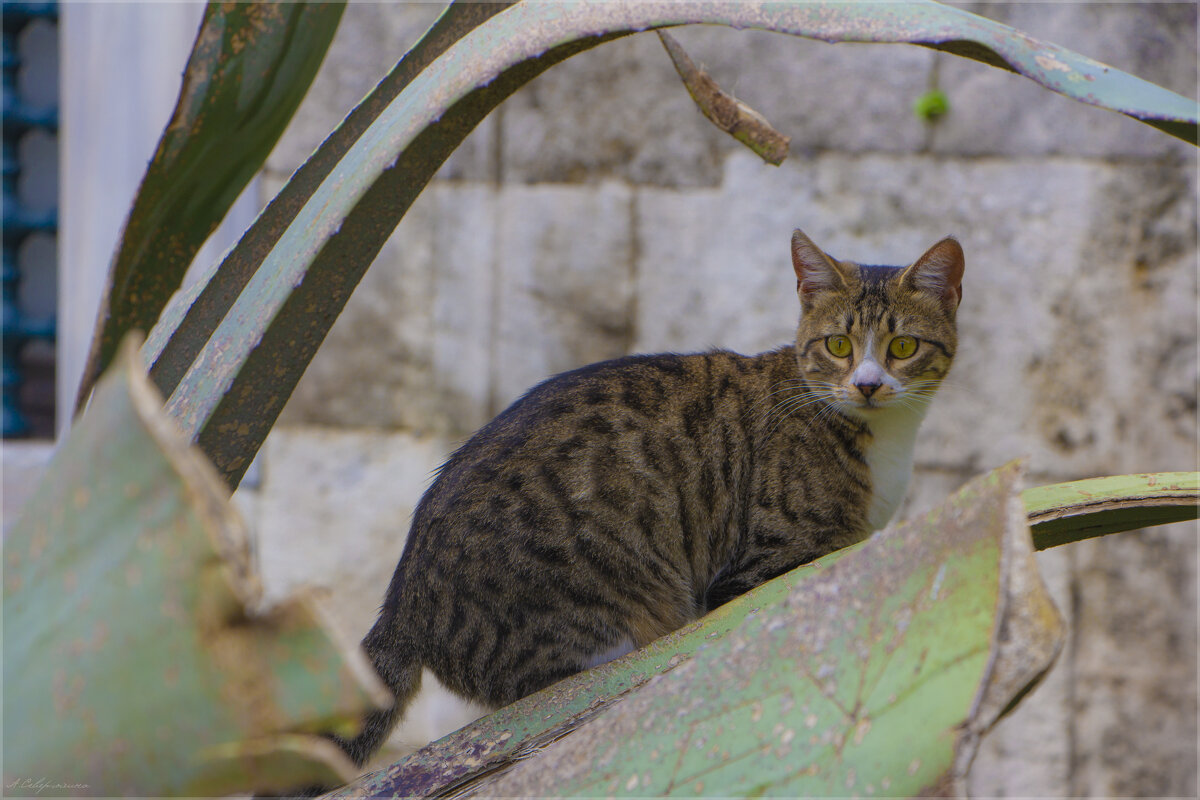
871 404
855 401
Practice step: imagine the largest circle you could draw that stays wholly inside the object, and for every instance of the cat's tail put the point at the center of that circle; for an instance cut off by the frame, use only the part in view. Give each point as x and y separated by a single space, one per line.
398 665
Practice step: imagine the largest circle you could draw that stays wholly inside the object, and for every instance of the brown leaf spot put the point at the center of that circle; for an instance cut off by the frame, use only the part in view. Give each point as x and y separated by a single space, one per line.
861 729
1049 62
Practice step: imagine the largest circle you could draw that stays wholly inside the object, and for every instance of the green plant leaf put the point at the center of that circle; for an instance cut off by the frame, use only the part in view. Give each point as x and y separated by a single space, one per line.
133 664
1069 512
190 319
250 67
228 383
873 671
931 105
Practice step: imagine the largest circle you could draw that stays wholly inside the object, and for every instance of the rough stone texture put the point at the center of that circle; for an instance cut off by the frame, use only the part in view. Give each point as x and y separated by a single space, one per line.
371 38
464 307
800 85
380 343
620 110
1134 658
597 213
382 364
1138 260
565 265
360 489
574 123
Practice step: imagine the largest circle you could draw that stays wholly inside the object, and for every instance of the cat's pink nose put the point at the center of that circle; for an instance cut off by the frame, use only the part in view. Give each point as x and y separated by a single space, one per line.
867 389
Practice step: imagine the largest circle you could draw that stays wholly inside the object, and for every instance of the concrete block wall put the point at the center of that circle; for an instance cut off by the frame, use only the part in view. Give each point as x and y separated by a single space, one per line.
596 213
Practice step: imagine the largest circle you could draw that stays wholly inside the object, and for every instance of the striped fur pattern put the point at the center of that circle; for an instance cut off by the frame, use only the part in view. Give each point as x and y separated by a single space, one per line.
614 503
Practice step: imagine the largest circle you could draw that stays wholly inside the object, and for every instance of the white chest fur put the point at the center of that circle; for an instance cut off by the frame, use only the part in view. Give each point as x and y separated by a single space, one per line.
890 457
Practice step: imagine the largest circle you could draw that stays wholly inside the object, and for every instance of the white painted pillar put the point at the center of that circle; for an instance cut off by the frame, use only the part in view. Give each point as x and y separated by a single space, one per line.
121 70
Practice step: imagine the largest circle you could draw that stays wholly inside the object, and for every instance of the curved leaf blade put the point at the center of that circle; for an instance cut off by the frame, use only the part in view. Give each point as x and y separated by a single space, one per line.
230 392
250 67
189 321
134 664
1071 512
875 671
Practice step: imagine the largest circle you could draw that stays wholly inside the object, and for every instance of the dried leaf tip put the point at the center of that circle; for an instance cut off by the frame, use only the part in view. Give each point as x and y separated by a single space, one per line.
724 110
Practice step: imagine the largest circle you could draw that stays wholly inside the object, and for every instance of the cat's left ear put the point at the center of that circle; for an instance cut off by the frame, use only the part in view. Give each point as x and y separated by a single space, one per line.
815 271
939 272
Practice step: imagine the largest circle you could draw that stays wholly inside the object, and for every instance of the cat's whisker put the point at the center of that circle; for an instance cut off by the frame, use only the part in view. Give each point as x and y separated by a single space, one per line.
787 407
767 411
780 411
830 408
791 385
787 386
756 406
828 411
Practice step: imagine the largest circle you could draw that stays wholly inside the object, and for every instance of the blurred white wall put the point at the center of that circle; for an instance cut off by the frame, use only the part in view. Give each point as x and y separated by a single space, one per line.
121 70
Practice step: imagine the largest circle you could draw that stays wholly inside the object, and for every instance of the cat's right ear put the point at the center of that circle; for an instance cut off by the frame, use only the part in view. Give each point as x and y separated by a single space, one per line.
815 271
939 272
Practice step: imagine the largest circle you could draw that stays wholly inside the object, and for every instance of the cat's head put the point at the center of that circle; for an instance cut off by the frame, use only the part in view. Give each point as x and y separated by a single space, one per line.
876 337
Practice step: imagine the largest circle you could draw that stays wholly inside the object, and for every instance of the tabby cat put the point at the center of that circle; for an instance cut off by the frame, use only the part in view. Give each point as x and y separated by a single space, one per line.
614 503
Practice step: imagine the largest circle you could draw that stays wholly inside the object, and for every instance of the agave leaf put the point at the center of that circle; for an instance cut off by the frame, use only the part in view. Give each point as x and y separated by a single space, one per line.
229 381
875 671
133 665
191 317
1069 512
250 67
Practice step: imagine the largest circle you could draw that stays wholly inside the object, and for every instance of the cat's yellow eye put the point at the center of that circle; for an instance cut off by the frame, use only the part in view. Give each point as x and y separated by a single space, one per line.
902 347
838 346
